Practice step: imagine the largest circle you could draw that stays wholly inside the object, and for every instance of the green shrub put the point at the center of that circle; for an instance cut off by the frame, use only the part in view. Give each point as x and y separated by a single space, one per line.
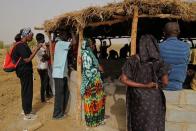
6 46
1 45
32 44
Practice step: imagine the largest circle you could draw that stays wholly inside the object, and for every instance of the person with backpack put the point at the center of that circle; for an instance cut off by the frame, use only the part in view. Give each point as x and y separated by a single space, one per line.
8 65
17 38
24 70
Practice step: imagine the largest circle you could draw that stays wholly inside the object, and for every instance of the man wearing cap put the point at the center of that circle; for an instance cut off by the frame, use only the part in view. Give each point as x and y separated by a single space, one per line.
175 53
24 71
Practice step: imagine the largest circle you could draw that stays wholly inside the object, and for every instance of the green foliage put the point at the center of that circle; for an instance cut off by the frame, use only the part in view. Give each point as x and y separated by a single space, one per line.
32 43
1 44
6 47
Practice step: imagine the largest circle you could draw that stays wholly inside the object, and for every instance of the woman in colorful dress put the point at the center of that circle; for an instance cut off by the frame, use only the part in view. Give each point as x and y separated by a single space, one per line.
92 88
145 74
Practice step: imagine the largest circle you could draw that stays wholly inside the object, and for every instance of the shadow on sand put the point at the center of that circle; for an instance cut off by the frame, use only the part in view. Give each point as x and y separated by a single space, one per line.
119 107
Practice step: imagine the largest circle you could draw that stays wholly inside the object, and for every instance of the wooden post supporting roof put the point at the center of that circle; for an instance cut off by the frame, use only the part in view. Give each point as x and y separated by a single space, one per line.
79 74
133 40
51 44
134 30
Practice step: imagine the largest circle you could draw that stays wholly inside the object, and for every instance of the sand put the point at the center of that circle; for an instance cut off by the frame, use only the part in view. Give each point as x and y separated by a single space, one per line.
12 120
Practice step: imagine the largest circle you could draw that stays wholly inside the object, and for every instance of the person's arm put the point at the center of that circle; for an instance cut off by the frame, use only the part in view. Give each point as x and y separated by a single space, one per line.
27 60
47 46
124 79
165 80
110 43
101 69
75 38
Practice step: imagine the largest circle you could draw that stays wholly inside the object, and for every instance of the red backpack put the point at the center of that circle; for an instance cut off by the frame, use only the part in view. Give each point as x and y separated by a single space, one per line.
9 65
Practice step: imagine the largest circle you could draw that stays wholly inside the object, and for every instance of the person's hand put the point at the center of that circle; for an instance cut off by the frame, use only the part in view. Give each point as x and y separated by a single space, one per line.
80 60
101 69
152 85
72 32
190 72
39 46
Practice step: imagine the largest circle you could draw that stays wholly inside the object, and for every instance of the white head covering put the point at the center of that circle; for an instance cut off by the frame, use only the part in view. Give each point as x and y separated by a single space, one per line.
25 32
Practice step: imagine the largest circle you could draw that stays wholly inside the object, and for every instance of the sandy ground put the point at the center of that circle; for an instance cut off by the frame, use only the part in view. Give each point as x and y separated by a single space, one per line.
10 108
10 105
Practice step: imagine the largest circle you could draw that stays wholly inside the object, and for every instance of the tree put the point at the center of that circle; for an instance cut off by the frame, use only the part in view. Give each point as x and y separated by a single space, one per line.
1 44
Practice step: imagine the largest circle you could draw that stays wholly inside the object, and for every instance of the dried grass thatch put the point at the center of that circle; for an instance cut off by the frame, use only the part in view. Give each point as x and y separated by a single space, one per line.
177 9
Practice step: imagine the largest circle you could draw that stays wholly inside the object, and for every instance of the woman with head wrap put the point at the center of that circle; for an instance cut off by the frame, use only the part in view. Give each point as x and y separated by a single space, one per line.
145 74
92 89
24 70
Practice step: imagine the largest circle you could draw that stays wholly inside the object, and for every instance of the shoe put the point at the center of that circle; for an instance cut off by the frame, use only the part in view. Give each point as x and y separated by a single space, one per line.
49 96
102 123
106 117
59 118
22 113
30 117
43 101
46 101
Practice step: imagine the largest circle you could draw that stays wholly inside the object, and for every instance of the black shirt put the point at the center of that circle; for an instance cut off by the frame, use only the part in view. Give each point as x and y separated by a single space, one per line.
22 50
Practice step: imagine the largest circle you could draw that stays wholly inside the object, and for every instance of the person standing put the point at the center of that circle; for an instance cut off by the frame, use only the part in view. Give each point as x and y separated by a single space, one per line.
145 75
24 70
103 49
17 38
94 47
92 91
175 53
124 51
42 68
60 74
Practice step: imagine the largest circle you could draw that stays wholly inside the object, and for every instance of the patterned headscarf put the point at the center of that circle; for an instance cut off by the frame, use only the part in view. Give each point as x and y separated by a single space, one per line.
150 55
86 48
25 32
90 66
148 49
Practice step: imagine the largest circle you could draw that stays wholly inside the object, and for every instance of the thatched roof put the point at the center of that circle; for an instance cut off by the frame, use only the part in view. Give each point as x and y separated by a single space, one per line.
115 13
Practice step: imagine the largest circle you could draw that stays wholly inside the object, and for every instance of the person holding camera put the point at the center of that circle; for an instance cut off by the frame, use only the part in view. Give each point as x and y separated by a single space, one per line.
42 68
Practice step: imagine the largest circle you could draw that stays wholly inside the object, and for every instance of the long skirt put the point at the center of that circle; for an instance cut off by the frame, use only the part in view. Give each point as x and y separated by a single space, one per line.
94 103
145 109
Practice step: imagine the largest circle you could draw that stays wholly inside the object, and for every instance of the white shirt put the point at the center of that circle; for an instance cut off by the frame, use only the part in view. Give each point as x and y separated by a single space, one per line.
40 64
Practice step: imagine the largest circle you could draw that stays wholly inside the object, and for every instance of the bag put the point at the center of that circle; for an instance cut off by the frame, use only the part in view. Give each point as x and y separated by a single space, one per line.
9 65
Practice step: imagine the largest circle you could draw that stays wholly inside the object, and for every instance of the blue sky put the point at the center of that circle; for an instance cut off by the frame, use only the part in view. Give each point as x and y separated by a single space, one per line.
16 14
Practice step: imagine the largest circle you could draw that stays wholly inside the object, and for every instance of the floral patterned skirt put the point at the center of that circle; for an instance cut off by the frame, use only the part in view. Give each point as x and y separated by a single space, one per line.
94 103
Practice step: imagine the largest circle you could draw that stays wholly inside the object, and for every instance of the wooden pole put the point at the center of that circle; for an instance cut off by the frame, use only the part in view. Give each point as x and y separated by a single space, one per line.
133 40
134 30
79 73
51 48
